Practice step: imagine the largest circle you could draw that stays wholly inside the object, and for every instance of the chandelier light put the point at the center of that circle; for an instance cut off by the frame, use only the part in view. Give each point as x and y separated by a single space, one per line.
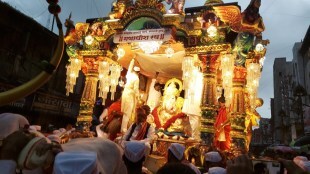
212 31
261 61
149 47
227 65
72 73
187 67
120 52
104 82
259 47
108 79
89 40
114 76
169 51
252 78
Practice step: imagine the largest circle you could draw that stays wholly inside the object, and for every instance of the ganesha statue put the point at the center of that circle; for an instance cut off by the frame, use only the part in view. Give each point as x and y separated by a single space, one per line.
168 115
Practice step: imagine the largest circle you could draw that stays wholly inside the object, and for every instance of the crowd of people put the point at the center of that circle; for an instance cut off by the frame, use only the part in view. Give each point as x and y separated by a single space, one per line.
122 142
24 149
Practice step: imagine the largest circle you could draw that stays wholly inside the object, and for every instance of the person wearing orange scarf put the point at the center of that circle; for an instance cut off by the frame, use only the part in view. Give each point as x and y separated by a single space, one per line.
222 140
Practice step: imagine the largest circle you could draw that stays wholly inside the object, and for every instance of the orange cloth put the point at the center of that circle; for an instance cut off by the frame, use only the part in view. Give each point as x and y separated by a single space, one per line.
114 126
221 118
116 106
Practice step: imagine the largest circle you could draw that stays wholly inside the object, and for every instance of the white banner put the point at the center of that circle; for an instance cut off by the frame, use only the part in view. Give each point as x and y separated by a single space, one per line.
162 34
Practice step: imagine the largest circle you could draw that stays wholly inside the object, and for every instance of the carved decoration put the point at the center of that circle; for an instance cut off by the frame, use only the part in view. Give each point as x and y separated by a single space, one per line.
208 49
233 17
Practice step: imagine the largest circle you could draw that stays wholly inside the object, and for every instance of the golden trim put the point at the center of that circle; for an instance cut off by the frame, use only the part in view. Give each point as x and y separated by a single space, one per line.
84 118
194 32
106 36
172 20
143 12
92 52
208 48
205 120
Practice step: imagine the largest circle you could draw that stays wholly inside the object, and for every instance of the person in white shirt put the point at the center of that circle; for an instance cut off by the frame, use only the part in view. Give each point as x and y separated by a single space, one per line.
154 96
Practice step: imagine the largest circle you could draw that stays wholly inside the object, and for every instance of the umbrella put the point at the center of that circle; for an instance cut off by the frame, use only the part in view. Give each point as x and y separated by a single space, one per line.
305 140
282 148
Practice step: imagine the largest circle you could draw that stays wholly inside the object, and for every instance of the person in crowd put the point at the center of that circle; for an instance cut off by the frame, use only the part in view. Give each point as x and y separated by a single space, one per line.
8 166
222 127
30 152
260 168
113 126
291 167
154 93
302 162
78 163
214 162
134 157
241 165
112 115
178 168
114 106
176 155
141 130
10 122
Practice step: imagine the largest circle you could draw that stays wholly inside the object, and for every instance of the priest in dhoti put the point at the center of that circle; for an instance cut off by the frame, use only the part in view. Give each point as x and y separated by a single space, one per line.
130 95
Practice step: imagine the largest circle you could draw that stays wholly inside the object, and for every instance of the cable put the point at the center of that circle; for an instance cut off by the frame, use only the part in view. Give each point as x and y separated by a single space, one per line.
96 8
269 6
40 14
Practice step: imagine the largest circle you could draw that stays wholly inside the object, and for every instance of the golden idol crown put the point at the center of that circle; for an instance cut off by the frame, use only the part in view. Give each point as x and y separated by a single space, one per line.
171 89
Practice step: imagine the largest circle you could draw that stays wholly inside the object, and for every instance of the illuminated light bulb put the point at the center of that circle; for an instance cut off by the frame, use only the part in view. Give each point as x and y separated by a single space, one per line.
212 31
261 61
120 52
89 40
149 47
72 75
121 83
169 52
259 47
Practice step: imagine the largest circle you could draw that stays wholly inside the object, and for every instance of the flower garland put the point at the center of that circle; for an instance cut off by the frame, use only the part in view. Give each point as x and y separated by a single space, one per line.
168 122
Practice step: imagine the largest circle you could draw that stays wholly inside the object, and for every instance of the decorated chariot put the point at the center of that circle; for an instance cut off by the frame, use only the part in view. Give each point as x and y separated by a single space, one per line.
199 55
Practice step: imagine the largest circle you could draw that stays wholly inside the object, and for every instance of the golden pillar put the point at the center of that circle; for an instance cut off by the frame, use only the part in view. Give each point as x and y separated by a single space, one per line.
209 95
238 110
90 70
209 70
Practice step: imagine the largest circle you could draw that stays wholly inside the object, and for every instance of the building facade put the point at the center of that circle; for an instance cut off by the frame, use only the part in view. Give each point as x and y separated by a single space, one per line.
24 45
290 106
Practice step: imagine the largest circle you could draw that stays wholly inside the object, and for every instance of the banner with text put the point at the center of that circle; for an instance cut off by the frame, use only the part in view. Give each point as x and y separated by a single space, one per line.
162 34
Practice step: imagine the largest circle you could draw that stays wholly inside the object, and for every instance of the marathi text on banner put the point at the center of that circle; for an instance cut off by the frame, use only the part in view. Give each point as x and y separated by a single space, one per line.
162 34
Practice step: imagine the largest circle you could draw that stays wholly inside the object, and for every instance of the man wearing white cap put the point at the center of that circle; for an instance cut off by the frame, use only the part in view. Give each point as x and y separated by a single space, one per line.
8 166
130 95
134 156
176 155
76 162
213 163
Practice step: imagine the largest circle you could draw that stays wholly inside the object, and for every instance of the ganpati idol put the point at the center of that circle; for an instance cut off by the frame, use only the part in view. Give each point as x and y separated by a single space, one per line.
168 115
